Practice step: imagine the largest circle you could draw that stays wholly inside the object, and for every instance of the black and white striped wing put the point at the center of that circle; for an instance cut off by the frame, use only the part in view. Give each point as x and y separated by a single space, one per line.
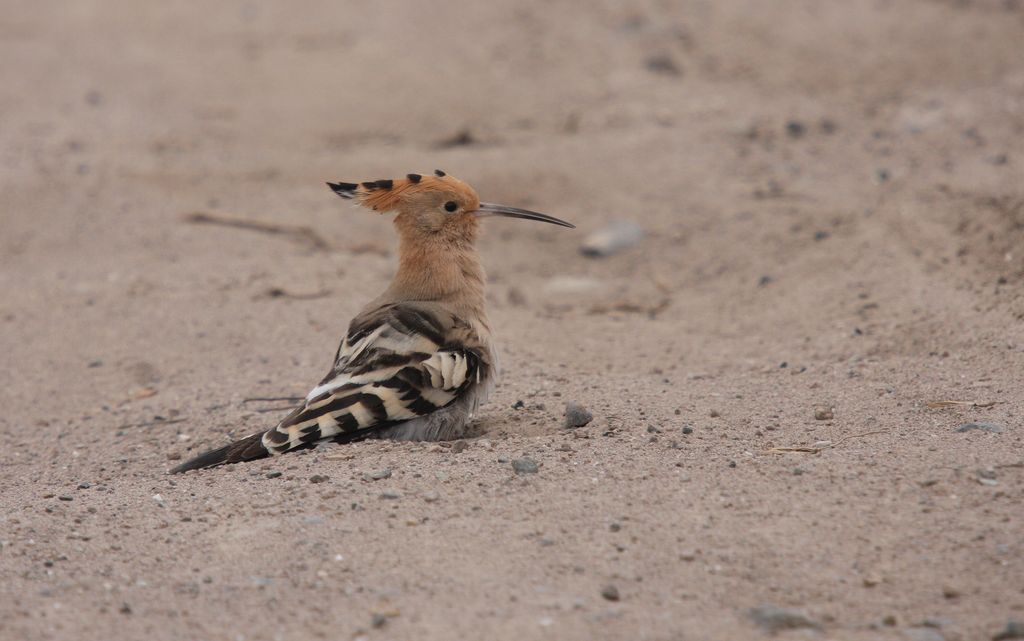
396 364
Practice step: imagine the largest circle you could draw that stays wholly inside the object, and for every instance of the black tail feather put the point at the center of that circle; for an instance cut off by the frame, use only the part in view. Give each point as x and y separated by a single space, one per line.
249 448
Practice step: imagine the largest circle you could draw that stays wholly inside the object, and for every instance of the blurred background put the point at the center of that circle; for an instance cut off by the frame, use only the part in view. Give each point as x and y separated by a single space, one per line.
831 211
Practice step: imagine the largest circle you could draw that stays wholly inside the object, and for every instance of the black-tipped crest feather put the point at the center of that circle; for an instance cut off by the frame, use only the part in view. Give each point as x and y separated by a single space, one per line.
345 190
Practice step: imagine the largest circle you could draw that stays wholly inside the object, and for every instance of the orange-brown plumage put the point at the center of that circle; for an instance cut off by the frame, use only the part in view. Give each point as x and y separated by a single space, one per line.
405 191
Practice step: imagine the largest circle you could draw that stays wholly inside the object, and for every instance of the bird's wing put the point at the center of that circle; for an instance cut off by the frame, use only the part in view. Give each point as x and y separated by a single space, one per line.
397 362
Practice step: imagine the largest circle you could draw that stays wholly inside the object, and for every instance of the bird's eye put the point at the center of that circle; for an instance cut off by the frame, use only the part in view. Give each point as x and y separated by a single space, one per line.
451 205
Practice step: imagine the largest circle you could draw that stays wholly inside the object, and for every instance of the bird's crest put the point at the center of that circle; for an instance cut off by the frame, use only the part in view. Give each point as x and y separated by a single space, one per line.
386 194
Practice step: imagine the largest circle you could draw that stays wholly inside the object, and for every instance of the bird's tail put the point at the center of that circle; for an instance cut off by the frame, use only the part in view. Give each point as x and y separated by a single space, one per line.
249 448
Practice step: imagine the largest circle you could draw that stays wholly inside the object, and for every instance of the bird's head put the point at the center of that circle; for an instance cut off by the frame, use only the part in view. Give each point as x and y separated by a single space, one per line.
432 204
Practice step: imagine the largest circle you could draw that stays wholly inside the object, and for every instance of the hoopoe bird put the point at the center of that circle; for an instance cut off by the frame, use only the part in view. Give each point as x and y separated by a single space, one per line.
418 360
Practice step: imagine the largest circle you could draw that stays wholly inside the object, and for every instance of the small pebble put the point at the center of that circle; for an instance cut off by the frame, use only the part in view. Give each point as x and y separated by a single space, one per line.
576 415
318 478
610 592
273 475
663 64
571 286
687 430
379 475
516 297
378 620
795 129
390 495
431 496
66 498
715 414
987 476
823 413
84 486
459 446
525 466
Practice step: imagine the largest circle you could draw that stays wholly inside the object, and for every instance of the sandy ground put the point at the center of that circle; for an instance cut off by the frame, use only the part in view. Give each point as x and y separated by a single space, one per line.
834 206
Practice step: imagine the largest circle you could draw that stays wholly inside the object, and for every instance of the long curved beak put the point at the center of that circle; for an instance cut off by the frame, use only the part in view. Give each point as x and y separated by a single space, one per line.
490 209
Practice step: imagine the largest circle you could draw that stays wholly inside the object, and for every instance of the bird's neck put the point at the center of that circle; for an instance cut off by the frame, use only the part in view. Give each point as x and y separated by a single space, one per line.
440 269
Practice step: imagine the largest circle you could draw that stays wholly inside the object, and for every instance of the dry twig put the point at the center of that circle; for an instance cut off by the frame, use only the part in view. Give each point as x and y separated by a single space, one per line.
270 399
168 421
267 410
306 235
943 404
825 445
278 292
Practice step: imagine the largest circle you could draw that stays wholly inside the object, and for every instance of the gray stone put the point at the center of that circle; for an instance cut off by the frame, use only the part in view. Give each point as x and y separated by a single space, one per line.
379 475
576 415
984 427
1013 630
525 466
612 239
774 619
610 592
923 634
